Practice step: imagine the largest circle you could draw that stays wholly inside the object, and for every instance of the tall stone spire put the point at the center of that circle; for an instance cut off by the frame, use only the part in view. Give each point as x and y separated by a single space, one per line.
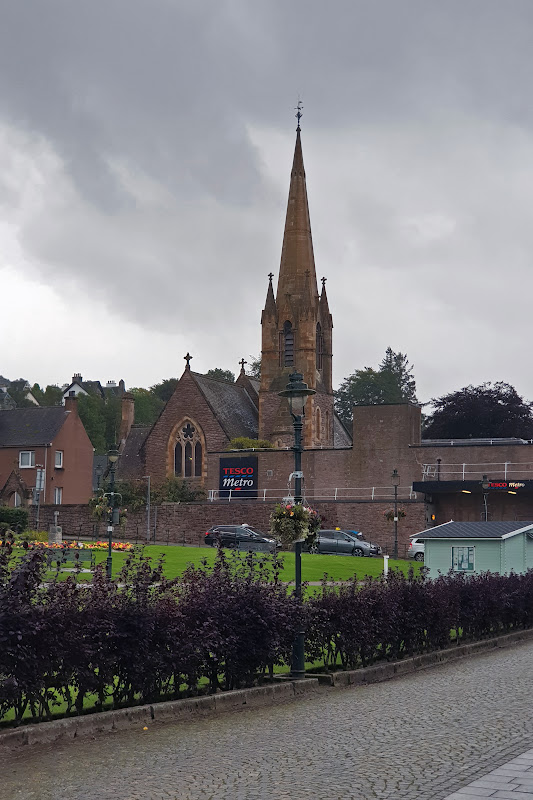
297 251
296 328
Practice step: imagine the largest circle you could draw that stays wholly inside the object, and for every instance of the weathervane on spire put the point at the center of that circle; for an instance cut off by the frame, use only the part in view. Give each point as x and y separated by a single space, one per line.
299 113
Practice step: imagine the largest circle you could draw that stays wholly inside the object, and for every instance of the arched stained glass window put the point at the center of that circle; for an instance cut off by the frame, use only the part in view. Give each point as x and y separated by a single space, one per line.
188 452
198 459
178 460
188 460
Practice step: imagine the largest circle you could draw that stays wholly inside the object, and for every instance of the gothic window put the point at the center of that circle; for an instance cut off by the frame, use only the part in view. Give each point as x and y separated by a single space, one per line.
327 425
319 346
287 345
188 452
318 424
178 460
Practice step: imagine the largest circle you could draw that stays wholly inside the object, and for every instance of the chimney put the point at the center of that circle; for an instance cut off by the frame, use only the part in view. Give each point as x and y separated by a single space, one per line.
71 404
76 378
128 416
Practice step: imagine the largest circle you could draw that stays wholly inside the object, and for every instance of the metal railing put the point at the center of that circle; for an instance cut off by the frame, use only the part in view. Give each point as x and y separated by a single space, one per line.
506 470
319 493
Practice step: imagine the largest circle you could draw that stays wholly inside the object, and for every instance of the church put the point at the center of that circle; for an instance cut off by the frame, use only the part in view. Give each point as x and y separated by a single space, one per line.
433 480
205 414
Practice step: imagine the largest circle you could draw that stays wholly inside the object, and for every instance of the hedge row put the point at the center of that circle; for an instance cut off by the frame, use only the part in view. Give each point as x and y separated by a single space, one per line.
142 638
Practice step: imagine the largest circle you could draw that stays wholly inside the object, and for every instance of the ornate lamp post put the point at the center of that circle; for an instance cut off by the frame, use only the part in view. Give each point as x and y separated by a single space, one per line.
297 392
395 479
112 457
485 483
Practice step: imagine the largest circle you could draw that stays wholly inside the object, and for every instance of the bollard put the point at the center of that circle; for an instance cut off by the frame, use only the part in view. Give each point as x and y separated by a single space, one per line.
385 566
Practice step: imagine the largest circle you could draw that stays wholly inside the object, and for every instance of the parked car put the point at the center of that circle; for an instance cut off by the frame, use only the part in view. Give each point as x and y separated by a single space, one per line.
342 542
243 537
416 549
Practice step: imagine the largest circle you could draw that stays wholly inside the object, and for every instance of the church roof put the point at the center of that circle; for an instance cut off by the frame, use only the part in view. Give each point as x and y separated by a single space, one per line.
231 405
341 437
130 465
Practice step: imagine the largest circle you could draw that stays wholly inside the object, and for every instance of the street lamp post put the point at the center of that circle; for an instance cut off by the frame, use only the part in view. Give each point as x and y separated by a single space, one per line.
297 392
112 457
485 487
395 478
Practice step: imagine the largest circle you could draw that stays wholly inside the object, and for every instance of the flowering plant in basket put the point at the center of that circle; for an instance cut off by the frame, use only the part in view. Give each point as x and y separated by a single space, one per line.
389 515
292 523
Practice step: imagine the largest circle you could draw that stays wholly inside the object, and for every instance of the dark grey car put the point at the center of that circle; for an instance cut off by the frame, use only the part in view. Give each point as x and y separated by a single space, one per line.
344 543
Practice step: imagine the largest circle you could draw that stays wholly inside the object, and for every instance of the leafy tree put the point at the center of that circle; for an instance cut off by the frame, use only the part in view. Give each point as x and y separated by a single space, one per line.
480 412
165 389
51 396
221 374
254 367
90 409
392 382
148 406
176 490
397 365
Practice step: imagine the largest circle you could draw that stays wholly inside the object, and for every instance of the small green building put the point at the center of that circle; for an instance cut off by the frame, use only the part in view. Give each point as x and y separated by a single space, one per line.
476 547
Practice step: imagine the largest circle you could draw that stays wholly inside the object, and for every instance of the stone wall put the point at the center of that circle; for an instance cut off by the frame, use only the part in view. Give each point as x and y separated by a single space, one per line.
186 523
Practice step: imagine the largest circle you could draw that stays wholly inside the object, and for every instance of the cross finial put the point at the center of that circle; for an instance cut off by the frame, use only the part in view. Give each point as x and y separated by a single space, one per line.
324 283
242 362
299 113
188 359
270 276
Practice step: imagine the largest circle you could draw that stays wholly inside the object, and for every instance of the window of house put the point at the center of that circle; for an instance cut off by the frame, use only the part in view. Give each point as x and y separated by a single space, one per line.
15 500
188 452
58 495
59 459
318 424
26 459
463 559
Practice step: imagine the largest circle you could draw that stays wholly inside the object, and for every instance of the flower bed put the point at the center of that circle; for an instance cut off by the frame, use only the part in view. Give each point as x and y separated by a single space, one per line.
121 546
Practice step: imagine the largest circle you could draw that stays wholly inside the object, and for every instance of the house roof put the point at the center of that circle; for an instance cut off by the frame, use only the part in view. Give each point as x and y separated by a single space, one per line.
475 530
231 405
130 465
30 427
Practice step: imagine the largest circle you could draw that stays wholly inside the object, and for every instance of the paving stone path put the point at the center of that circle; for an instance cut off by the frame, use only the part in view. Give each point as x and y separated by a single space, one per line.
434 735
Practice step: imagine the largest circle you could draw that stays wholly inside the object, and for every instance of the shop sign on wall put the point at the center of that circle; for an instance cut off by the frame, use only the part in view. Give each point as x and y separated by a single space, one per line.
238 476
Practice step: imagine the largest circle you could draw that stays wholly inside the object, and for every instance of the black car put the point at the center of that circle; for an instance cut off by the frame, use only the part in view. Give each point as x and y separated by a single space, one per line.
241 537
344 543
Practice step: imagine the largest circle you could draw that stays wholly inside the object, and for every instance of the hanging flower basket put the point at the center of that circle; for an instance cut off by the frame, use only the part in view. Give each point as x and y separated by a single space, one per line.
291 523
389 515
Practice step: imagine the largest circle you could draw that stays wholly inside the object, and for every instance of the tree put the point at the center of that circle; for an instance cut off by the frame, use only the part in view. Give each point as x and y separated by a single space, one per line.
148 406
221 374
90 409
397 364
51 396
488 411
392 382
254 367
165 389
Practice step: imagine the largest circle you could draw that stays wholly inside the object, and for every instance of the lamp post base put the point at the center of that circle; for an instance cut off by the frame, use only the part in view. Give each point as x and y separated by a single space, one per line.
298 657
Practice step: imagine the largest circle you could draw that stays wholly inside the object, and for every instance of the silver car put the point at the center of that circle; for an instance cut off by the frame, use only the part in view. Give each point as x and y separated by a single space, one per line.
415 549
344 543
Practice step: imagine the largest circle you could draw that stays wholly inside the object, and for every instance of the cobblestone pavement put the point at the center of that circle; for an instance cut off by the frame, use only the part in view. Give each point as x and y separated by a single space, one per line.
419 737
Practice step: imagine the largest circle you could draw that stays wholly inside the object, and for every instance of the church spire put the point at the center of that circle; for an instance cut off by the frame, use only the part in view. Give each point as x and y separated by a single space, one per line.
297 252
270 303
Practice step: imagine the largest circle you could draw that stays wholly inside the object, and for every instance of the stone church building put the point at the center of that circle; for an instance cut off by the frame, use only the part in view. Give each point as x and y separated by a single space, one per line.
439 480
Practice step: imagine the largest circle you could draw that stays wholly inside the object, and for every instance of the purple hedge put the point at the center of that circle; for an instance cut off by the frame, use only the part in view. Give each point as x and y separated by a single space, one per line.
142 638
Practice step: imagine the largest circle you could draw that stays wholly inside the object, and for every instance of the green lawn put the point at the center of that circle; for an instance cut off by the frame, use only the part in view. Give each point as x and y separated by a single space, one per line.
314 567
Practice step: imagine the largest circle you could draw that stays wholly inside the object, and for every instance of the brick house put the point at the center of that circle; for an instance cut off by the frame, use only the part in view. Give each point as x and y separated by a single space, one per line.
48 444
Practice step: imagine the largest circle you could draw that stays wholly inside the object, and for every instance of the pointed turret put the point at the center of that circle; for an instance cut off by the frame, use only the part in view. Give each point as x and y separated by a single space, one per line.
270 303
323 304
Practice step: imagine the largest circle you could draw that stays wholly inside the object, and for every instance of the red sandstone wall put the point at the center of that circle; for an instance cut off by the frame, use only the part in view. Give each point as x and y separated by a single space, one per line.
186 523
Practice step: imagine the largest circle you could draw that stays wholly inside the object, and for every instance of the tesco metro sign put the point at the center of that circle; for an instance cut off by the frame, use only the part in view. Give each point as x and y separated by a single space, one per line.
238 476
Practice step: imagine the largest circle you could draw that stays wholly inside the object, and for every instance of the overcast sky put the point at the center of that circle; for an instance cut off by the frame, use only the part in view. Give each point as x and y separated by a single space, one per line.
145 151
